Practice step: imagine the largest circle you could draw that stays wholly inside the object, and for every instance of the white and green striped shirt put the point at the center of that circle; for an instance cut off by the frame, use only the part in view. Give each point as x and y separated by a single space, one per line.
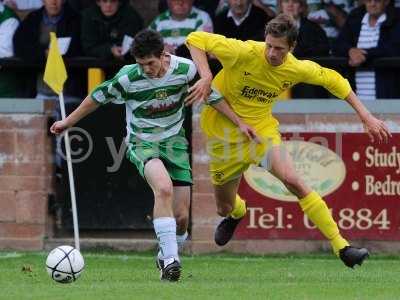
154 107
175 32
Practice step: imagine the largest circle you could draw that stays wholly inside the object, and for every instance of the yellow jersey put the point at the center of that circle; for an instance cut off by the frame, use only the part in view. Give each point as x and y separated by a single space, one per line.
251 85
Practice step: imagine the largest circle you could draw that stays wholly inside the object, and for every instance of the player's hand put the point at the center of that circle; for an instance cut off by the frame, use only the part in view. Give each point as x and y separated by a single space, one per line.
59 127
249 132
199 92
376 129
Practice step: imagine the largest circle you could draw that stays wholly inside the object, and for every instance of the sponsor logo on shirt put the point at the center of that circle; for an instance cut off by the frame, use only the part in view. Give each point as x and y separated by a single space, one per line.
258 94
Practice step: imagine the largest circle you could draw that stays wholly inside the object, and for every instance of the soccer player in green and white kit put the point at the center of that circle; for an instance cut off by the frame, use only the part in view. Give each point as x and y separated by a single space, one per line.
153 91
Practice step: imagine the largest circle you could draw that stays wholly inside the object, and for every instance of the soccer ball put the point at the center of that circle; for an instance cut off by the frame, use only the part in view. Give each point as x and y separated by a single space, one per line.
64 264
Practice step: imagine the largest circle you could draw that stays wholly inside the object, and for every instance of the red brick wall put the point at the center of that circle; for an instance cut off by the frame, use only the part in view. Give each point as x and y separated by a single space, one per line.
204 215
25 180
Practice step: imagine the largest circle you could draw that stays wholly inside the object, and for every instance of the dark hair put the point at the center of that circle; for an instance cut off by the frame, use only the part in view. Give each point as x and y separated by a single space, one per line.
147 42
283 26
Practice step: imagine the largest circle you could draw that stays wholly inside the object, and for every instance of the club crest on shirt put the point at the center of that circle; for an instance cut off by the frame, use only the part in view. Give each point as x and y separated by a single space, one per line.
286 84
161 94
175 33
218 176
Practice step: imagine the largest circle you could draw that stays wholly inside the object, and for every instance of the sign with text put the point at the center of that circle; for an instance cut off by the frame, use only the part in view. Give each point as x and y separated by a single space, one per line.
359 180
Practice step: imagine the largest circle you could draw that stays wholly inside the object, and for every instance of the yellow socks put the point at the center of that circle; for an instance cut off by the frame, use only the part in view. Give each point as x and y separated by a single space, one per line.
317 211
239 208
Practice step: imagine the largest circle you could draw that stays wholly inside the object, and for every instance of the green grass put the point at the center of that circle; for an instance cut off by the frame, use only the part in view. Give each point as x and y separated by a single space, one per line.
133 276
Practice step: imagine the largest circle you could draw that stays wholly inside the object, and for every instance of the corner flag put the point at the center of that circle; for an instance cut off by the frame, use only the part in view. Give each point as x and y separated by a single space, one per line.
55 73
55 76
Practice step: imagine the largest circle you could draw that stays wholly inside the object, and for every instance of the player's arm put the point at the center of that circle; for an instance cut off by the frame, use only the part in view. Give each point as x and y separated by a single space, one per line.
340 87
202 88
224 49
108 91
374 127
224 108
87 106
219 103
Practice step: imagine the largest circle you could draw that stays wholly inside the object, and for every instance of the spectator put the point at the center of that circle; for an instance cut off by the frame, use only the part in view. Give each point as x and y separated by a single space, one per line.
329 14
31 42
24 4
311 41
209 6
8 25
373 31
105 25
23 7
268 6
243 21
177 22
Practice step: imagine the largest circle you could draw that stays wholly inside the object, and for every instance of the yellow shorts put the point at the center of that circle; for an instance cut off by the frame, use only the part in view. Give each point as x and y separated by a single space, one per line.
229 160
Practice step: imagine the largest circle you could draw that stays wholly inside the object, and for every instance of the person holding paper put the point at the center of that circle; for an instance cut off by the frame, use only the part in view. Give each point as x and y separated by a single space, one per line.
106 25
31 43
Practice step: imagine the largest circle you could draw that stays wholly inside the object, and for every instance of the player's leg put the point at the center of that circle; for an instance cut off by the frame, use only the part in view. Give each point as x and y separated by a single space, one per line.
228 161
313 206
163 219
181 205
231 207
174 152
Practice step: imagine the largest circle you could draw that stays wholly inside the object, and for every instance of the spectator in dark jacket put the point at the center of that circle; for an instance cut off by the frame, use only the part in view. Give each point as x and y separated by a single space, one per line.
104 26
371 31
32 38
311 41
242 21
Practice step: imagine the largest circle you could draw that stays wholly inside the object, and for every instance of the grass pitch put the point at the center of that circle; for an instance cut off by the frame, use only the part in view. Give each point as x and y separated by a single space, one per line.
134 276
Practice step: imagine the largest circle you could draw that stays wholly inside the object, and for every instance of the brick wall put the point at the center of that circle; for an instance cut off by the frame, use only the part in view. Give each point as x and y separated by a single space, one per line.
204 215
25 180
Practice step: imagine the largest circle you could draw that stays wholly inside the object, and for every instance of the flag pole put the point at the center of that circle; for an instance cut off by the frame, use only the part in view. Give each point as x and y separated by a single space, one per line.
70 176
55 75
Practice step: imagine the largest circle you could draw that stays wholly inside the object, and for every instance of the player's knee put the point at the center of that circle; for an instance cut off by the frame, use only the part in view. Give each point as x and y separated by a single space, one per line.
224 209
182 222
164 191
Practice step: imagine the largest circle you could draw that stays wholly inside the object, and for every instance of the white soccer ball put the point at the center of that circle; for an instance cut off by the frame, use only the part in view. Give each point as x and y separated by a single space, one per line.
64 264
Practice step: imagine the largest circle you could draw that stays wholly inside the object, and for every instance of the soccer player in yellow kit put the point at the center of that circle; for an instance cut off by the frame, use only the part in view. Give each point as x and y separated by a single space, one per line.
254 74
